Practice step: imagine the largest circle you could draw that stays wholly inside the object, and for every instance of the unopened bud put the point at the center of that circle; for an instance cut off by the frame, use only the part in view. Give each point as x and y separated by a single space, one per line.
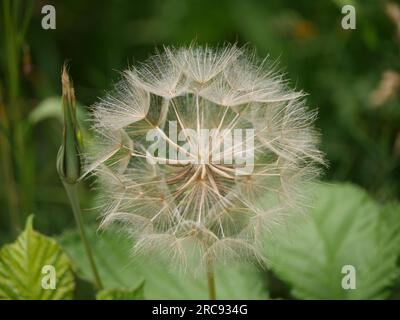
69 155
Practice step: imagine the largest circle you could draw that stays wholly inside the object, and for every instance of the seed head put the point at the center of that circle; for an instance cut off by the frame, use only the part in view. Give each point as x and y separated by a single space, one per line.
200 151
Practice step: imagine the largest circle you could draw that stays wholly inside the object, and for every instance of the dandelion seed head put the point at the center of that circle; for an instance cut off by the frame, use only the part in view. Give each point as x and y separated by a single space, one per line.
204 206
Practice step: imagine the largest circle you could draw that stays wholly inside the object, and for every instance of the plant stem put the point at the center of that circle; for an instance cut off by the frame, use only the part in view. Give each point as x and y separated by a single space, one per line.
210 280
12 74
74 199
12 54
17 167
10 186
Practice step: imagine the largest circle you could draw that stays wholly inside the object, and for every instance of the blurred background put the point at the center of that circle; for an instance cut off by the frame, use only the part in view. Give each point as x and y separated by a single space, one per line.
351 76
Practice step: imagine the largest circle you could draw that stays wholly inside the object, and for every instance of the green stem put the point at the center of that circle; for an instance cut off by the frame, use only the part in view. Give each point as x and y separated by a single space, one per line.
12 58
10 186
211 280
25 22
12 53
17 165
74 199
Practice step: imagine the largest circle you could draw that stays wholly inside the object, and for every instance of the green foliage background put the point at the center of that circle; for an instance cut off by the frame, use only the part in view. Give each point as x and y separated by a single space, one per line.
356 222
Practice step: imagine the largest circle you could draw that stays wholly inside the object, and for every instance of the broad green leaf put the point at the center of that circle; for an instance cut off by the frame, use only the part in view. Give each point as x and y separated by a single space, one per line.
345 227
25 271
121 294
118 269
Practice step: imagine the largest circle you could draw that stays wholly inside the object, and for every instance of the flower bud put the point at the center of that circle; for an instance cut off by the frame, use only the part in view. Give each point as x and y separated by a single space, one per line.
69 155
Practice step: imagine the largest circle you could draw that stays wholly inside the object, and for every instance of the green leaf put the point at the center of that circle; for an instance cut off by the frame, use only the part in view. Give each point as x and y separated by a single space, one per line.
345 227
118 269
24 268
51 108
48 108
122 294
